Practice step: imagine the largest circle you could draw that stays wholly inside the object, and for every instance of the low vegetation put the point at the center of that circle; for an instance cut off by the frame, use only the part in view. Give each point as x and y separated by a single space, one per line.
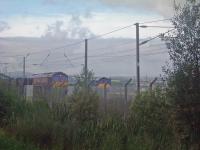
8 143
163 119
77 123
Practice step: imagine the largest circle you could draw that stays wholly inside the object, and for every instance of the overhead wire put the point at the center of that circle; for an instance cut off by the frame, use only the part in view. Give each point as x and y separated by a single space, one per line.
92 38
147 26
117 56
60 47
45 59
157 46
155 37
68 60
127 50
155 21
82 41
104 48
104 34
110 56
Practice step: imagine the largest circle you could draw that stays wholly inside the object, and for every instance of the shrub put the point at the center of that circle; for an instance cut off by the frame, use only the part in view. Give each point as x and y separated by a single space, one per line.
150 121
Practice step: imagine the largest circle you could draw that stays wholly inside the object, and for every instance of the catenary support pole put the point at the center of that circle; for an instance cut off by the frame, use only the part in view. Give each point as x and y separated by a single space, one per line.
24 77
138 57
86 65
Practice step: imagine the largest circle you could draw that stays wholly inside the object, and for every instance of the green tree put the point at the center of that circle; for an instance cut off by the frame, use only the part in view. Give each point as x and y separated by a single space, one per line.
84 101
80 85
83 112
184 74
149 122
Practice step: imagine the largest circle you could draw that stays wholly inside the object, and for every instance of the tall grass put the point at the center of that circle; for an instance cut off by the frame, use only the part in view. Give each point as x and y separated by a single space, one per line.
10 143
77 123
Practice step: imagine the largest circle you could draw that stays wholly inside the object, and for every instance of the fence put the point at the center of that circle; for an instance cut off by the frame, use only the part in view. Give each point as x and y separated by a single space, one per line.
117 97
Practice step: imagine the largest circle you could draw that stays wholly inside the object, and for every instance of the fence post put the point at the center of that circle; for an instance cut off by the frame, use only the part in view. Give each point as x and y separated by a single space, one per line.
126 97
105 97
151 85
89 87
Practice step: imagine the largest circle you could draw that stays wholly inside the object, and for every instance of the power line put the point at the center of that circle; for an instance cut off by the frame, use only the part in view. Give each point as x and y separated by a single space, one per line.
59 48
104 34
118 56
154 21
123 56
146 26
102 54
113 46
79 42
45 59
155 37
104 48
127 50
56 48
68 60
156 47
96 37
92 38
57 63
106 59
144 54
122 28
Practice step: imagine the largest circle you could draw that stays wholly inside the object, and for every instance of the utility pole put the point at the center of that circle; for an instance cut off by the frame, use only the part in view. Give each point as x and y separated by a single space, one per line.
24 66
86 64
138 57
24 76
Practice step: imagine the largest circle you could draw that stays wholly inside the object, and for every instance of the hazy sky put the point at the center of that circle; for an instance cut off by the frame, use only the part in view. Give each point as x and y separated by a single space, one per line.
32 17
46 24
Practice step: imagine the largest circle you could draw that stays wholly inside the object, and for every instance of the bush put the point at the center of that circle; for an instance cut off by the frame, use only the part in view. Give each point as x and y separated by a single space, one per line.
150 121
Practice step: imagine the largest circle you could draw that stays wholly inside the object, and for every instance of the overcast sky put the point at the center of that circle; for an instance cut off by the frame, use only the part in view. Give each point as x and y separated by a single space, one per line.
46 24
32 17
